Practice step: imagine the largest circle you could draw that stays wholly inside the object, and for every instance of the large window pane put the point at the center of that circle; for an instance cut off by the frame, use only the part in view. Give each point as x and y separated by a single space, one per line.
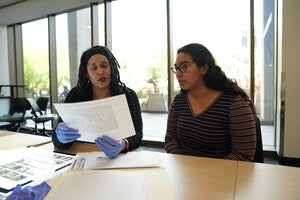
63 64
265 67
101 24
79 29
73 36
36 59
221 26
140 45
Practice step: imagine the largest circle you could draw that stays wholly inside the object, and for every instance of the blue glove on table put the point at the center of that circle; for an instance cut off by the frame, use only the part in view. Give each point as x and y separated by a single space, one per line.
109 146
37 192
66 134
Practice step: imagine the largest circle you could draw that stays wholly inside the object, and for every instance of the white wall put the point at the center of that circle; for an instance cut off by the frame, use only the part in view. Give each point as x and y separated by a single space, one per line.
290 64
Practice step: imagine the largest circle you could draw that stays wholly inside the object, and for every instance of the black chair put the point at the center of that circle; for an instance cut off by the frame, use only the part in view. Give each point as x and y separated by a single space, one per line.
17 114
259 156
42 102
40 117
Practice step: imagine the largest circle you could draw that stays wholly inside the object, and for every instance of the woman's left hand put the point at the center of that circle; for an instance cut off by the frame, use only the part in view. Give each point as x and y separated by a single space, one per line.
109 146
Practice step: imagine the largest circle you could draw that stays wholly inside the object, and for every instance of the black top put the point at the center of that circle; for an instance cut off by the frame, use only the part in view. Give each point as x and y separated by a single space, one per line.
135 111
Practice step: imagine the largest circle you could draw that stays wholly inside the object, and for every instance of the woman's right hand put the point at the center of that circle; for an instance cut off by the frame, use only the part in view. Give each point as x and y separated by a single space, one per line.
66 134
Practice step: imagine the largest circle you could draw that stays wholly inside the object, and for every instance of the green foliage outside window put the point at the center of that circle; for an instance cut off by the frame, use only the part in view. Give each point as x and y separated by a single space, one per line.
154 77
36 81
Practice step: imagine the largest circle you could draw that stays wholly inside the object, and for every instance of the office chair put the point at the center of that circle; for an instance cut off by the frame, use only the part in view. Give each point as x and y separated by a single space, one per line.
42 102
40 117
16 114
258 157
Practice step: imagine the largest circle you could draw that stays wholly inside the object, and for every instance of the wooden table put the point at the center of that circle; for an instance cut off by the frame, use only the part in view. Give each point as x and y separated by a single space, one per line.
200 178
265 181
12 140
205 178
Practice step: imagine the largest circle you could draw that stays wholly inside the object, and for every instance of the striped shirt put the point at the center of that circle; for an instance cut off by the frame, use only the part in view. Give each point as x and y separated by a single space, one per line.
226 129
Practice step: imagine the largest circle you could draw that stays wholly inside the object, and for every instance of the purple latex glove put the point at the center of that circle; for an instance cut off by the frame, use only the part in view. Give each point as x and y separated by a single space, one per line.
37 192
109 146
66 134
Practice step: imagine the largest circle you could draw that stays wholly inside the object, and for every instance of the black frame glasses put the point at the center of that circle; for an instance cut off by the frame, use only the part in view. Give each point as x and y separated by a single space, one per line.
181 67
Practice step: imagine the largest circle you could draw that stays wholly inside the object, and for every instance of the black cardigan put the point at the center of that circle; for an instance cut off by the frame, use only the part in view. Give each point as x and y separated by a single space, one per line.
135 111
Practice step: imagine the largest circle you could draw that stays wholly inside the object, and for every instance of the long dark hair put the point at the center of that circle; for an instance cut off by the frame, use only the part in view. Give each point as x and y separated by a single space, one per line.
116 85
214 78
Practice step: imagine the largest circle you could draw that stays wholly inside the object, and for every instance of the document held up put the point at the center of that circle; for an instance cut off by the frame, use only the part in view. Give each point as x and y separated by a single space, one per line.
109 116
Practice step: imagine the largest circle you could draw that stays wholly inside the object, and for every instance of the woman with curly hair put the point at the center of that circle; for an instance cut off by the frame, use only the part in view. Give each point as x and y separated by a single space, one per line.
99 78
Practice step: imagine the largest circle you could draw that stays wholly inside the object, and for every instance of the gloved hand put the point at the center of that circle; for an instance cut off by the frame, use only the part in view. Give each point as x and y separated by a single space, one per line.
66 134
109 146
37 192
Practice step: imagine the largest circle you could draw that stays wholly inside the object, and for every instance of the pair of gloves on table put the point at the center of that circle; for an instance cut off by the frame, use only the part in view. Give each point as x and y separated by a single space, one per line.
109 146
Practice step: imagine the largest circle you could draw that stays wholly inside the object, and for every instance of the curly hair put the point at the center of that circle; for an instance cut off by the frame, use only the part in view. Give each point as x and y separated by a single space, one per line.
116 85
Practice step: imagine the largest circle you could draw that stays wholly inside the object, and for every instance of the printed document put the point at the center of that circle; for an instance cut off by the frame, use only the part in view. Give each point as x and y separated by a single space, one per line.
109 116
28 166
98 160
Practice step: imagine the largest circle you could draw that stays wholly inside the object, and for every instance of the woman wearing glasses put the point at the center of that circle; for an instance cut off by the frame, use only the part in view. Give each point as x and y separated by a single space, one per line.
211 116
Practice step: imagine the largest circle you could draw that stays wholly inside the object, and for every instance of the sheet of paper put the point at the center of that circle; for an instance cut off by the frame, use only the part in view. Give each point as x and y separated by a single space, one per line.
98 160
109 116
29 165
95 184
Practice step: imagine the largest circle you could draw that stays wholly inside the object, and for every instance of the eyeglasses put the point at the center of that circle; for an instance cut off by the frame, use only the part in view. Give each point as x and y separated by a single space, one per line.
181 67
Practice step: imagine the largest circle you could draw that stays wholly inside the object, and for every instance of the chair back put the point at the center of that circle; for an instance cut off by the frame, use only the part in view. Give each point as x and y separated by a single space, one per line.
258 157
36 110
18 105
42 102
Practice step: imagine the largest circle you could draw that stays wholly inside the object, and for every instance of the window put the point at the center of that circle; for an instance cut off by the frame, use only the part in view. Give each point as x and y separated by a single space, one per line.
36 58
225 34
140 46
63 63
101 24
73 36
264 20
139 42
